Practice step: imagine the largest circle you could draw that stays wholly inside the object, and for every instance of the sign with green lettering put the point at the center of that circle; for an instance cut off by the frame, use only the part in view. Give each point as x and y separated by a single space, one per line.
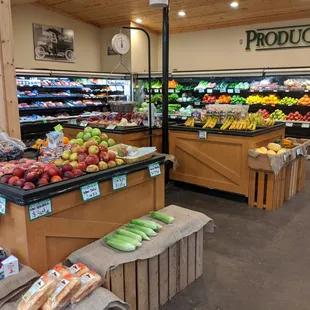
267 39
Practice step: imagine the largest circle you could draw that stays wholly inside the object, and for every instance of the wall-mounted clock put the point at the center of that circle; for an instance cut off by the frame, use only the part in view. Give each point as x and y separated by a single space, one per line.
121 44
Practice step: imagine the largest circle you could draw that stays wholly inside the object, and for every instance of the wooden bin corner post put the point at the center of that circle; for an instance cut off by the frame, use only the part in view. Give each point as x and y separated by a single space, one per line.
9 113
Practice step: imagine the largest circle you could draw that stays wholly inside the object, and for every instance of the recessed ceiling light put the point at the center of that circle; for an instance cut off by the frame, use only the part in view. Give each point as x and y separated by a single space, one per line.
181 13
234 4
139 20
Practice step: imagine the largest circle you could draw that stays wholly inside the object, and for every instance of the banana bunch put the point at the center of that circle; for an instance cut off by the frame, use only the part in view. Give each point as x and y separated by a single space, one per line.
190 122
227 123
268 122
204 118
211 122
239 124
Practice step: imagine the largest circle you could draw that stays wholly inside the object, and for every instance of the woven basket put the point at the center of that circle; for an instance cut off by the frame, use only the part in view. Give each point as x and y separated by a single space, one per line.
122 107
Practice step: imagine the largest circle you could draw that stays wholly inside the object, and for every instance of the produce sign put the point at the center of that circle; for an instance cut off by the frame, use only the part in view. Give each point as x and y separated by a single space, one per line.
39 209
2 205
90 191
154 170
278 38
119 182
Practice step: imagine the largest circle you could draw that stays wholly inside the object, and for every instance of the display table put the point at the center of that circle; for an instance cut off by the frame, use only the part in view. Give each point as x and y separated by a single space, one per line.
220 160
135 136
74 223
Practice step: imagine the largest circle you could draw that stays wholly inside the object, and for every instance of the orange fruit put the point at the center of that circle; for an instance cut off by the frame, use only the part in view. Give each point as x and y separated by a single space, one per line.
66 140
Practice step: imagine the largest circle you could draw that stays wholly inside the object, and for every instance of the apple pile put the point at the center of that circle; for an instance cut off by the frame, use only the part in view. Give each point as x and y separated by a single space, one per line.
265 114
306 118
92 133
90 157
28 174
294 116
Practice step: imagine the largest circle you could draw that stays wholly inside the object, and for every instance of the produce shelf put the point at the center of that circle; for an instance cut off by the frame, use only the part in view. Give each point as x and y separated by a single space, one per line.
23 198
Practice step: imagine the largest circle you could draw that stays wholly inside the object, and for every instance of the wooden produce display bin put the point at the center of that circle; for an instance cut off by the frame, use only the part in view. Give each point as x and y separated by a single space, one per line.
71 223
215 158
149 284
135 136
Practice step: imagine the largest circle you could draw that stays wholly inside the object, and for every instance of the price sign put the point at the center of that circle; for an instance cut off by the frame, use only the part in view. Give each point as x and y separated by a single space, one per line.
58 128
284 156
160 90
289 124
177 91
230 91
156 90
202 135
90 191
209 91
2 205
260 90
39 209
196 103
298 152
287 91
173 116
305 125
119 182
306 90
154 170
275 90
44 120
170 90
237 91
84 123
72 121
184 118
111 127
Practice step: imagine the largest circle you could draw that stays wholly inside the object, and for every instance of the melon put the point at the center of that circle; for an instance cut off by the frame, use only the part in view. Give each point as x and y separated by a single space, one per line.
271 152
281 151
260 151
264 150
274 147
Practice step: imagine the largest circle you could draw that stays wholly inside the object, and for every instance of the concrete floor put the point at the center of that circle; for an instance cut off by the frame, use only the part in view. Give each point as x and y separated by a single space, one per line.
256 260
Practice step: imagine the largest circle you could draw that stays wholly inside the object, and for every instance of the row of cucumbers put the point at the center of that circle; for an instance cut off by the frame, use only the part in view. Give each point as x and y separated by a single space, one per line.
131 237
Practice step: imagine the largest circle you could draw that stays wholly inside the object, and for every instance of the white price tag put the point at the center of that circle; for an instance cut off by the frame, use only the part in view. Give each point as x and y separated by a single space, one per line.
289 124
230 91
306 90
111 127
154 170
305 125
83 123
209 91
170 90
284 156
202 134
196 103
156 90
39 209
298 152
184 118
237 91
275 90
2 205
287 91
173 116
90 191
260 90
119 182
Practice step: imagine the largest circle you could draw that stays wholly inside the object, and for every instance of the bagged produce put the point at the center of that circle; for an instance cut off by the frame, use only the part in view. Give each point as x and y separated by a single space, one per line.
61 296
38 293
10 148
78 270
89 282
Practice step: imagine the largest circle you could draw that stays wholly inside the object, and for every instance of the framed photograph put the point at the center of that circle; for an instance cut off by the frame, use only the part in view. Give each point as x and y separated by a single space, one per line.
53 43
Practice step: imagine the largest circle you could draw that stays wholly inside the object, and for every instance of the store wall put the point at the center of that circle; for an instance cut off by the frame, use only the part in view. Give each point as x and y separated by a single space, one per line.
221 49
86 39
109 62
139 50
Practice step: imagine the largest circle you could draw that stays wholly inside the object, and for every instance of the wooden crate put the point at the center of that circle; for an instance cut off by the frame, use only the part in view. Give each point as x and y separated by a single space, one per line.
291 179
266 190
149 284
301 175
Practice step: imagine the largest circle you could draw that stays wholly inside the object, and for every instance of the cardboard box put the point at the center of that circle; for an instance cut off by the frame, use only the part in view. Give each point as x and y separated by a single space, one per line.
10 266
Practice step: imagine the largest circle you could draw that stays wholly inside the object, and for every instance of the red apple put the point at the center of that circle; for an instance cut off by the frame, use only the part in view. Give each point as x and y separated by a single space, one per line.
68 175
5 178
111 164
67 167
102 165
112 155
52 172
77 172
92 159
94 149
91 142
42 182
82 150
103 148
92 168
20 183
75 148
81 157
31 177
74 164
18 172
28 186
56 178
106 157
13 180
46 176
82 166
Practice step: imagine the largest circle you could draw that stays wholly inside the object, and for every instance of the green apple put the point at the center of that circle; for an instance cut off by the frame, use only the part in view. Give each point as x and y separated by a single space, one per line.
96 132
111 142
97 139
79 141
88 130
80 135
105 143
86 136
72 141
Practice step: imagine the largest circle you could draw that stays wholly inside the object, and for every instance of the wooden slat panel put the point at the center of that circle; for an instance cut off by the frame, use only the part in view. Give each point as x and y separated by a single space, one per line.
142 285
172 271
191 259
260 189
199 253
117 281
163 278
183 263
270 192
130 284
154 283
107 282
252 182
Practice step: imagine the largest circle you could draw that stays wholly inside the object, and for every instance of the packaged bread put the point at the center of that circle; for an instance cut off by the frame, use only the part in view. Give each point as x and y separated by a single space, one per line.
89 282
78 270
62 294
59 272
38 293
